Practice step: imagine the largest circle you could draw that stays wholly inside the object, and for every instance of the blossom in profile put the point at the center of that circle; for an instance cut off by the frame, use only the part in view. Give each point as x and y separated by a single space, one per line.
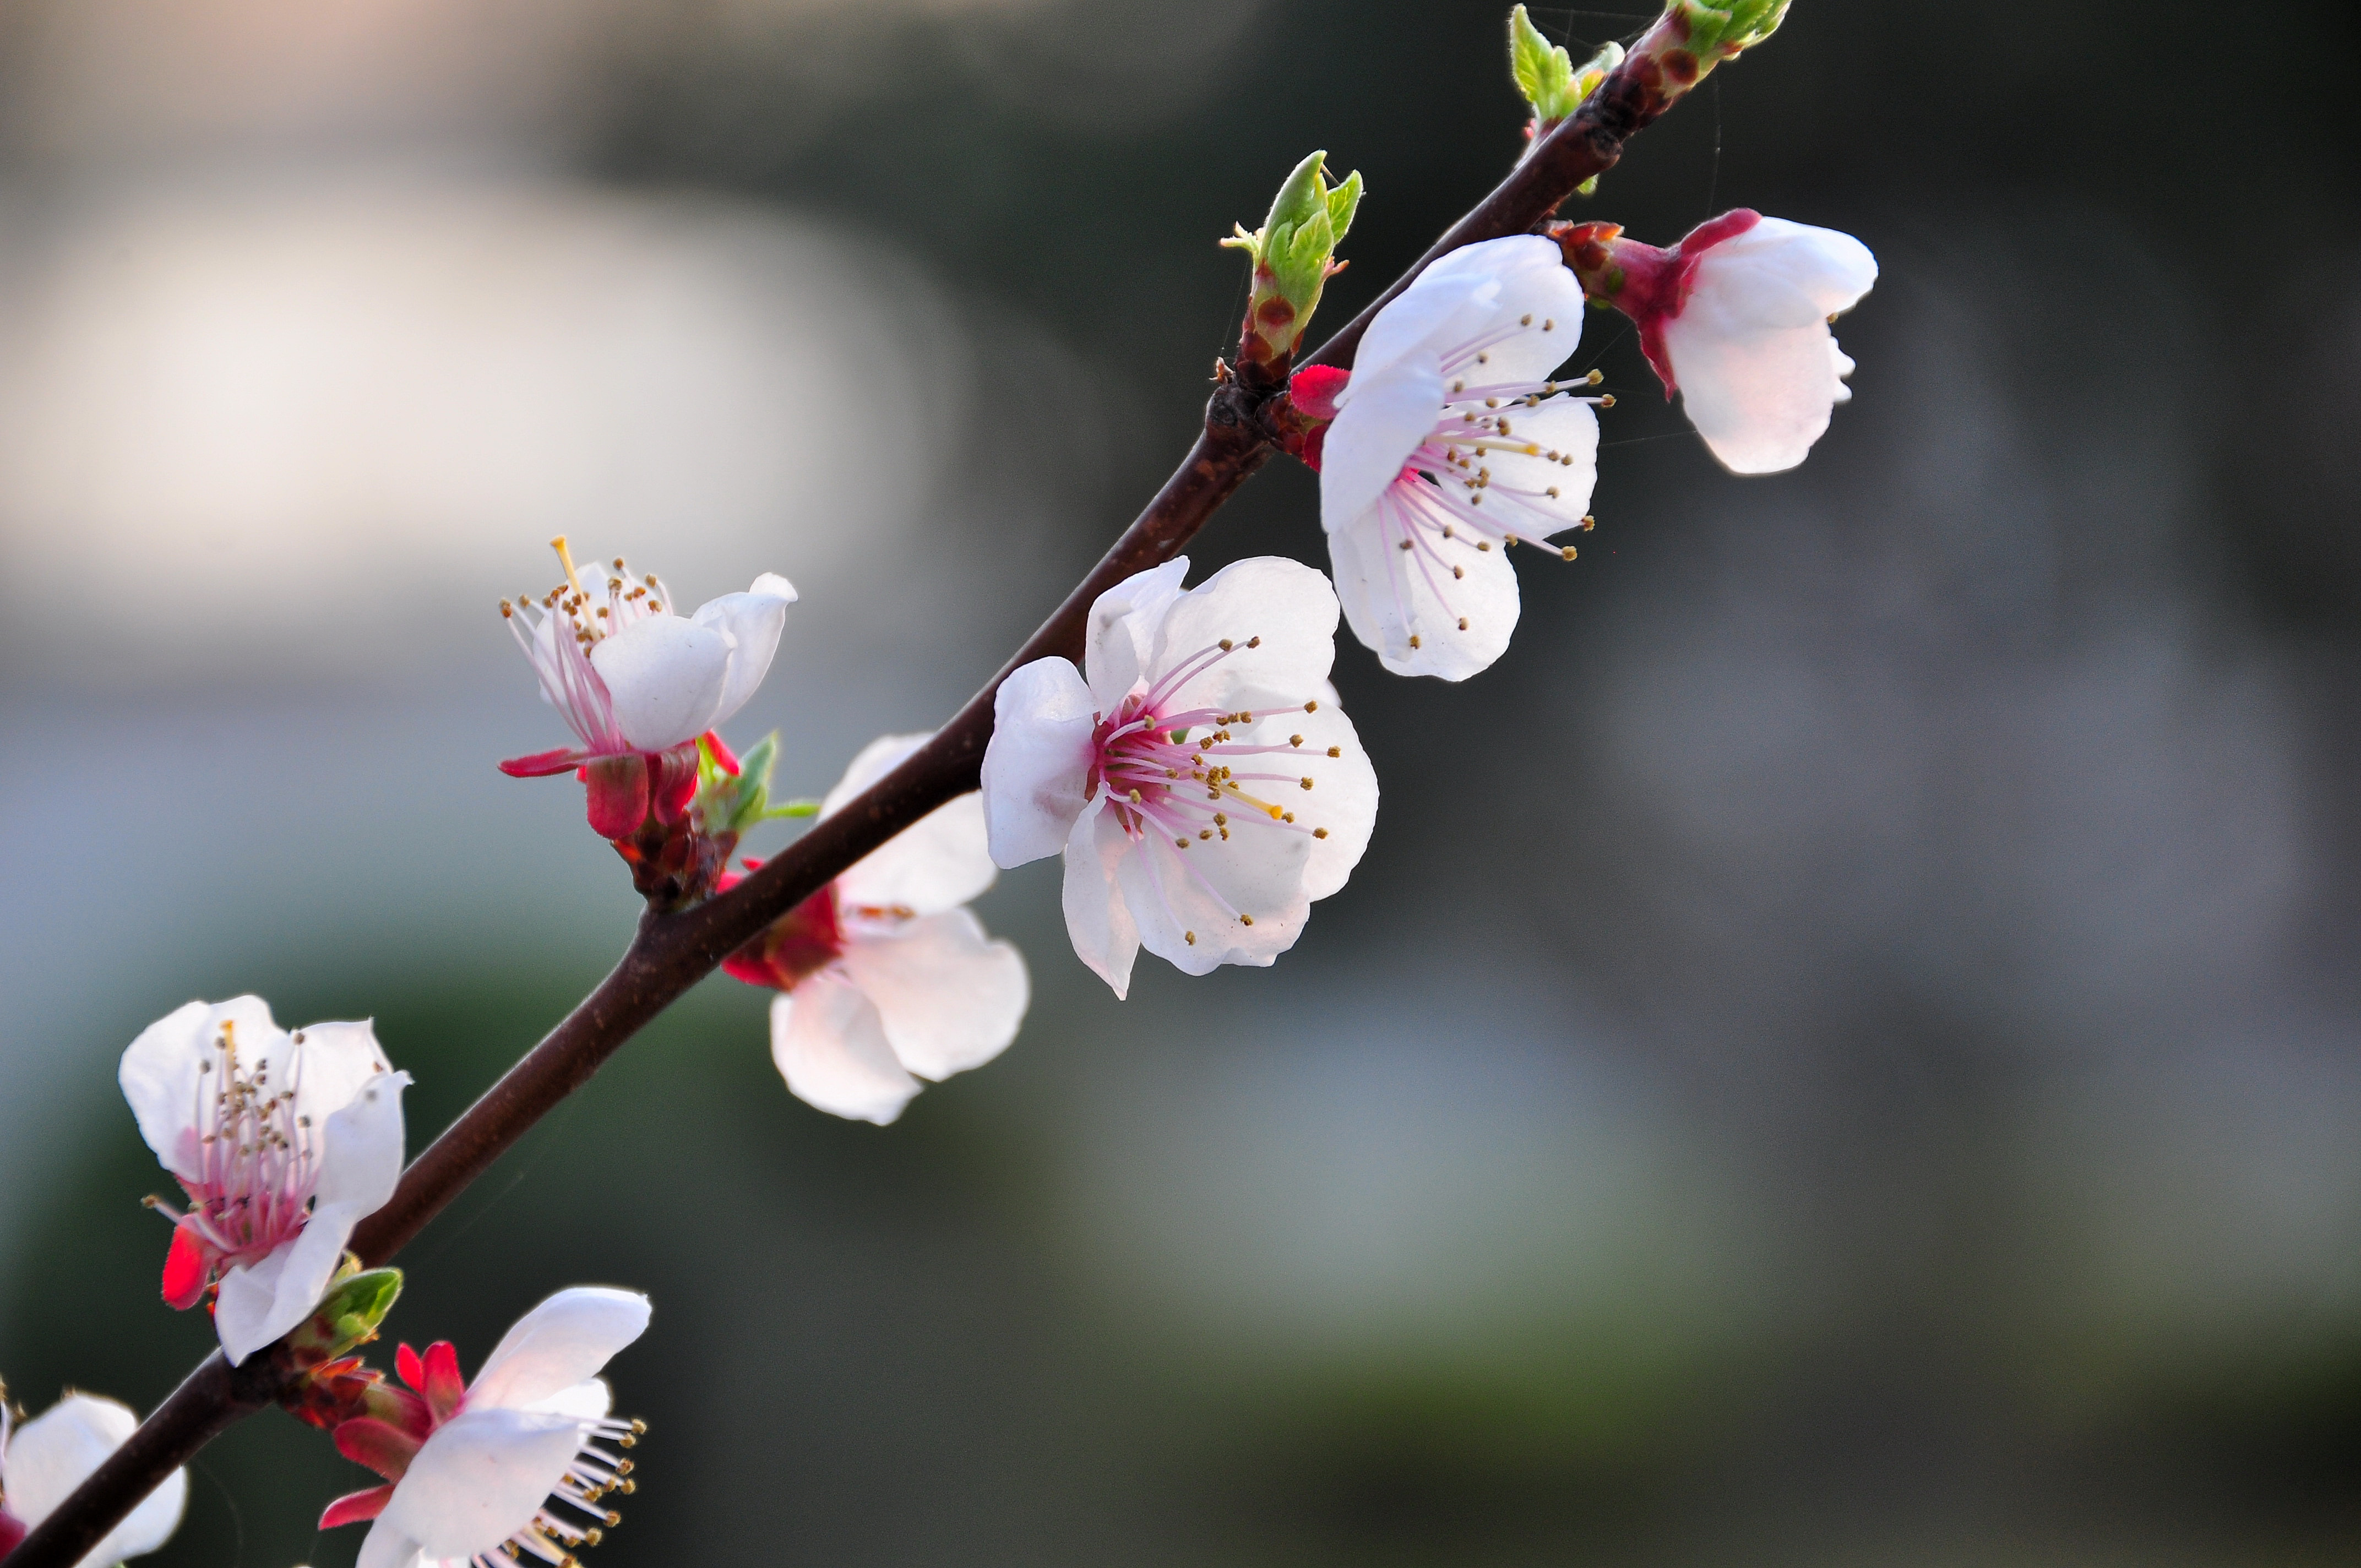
283 1143
885 977
43 1461
1736 319
512 1469
1452 441
1197 772
638 682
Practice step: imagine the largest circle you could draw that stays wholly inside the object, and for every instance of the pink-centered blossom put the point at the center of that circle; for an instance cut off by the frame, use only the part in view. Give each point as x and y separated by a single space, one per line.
637 681
885 977
283 1143
511 1470
1452 441
1197 772
42 1462
1736 319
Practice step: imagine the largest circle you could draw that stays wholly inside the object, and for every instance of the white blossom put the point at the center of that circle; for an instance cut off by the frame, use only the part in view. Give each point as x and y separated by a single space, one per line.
1451 443
43 1461
283 1143
1197 773
885 977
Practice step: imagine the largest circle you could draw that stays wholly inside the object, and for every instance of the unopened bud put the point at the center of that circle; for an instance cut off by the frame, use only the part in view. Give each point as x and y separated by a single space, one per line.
1294 255
346 1316
1549 79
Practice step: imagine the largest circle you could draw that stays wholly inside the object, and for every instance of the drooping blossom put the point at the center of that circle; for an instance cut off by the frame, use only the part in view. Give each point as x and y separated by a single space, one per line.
507 1471
1197 772
283 1143
1451 442
1736 318
885 977
43 1461
638 683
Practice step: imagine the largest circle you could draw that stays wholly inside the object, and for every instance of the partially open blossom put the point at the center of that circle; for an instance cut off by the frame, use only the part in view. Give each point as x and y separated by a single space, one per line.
283 1143
43 1461
1197 772
1736 319
508 1470
638 683
1451 442
885 978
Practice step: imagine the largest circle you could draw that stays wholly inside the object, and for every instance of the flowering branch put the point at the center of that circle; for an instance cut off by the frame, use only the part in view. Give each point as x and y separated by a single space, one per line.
672 950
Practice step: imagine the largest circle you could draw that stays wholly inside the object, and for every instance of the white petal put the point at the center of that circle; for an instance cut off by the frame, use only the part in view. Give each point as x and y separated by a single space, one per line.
1286 606
1343 799
589 1400
1097 921
1038 762
361 1145
386 1547
480 1479
939 862
162 1072
665 676
56 1452
561 1343
753 620
1535 282
1423 319
1391 595
1122 629
830 1047
329 1063
1788 273
259 1303
950 997
1200 891
1373 435
1517 500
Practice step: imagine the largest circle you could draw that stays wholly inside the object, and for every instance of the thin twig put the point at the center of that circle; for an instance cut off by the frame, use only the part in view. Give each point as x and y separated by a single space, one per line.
672 952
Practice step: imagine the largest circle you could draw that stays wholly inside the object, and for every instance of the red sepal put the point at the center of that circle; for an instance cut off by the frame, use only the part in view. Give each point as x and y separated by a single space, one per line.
444 1389
723 757
185 1270
12 1531
672 782
541 764
1314 387
359 1508
408 1367
385 1449
617 796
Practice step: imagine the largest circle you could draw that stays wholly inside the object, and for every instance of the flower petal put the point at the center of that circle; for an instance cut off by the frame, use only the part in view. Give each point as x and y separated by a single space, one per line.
949 997
1038 762
386 1547
830 1047
480 1479
1343 801
1534 283
939 862
1373 435
1423 319
1121 633
1391 595
589 1400
753 620
665 675
163 1072
1099 927
1176 894
1280 617
56 1452
561 1343
361 1142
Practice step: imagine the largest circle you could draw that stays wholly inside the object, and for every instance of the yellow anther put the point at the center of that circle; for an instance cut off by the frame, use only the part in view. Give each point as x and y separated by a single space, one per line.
1319 832
1339 750
1246 919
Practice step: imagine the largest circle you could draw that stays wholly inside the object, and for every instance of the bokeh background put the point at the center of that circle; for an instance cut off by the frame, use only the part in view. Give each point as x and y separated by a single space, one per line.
1844 1049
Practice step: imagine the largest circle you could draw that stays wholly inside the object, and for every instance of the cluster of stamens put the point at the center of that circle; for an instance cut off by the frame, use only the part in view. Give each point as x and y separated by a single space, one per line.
555 1534
558 628
257 1159
1440 497
1161 781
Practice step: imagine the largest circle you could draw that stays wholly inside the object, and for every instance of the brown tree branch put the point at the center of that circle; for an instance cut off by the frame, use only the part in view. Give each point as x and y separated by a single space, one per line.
673 952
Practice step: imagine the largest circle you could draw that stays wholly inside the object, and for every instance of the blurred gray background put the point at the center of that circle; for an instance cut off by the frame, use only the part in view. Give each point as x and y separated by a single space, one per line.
1844 1047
